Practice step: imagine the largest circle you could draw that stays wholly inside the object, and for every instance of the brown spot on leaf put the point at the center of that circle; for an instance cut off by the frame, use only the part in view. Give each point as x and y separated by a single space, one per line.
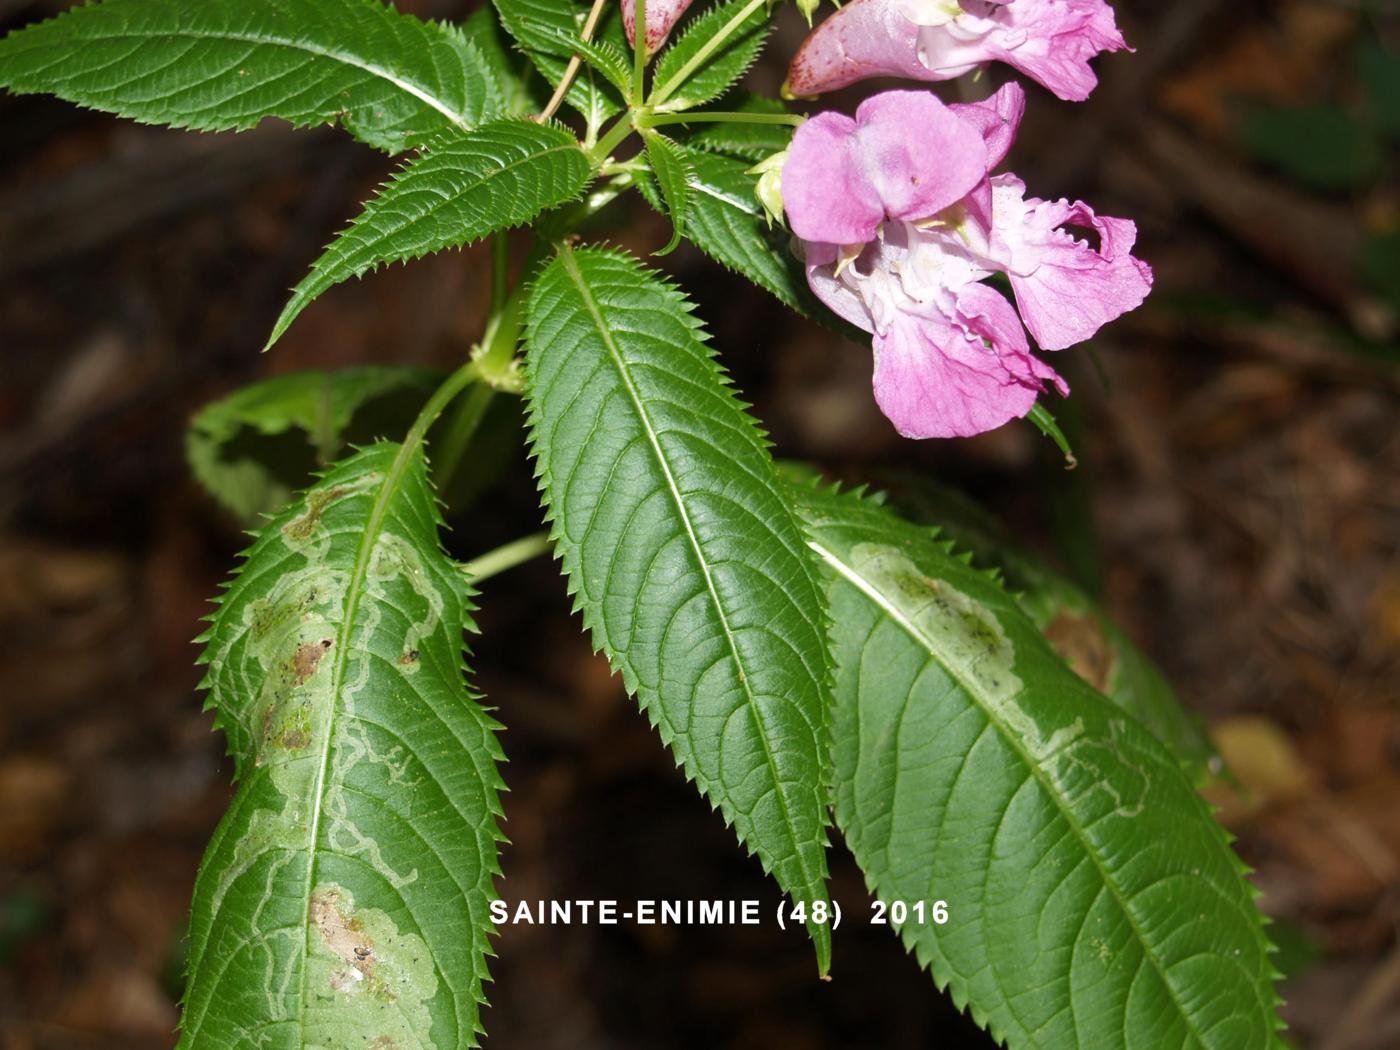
308 657
344 935
1081 640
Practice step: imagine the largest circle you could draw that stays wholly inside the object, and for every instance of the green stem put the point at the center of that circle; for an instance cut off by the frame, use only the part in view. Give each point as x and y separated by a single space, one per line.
666 90
658 119
442 397
639 51
500 272
612 138
512 554
449 449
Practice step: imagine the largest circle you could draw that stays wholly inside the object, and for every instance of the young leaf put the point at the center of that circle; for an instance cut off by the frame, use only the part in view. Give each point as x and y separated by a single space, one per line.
344 899
314 408
721 69
688 565
1092 900
548 31
673 177
392 80
1075 624
500 175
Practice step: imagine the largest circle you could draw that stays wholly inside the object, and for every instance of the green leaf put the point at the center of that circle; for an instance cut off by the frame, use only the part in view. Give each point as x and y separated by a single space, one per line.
344 899
253 449
720 70
548 31
603 55
1076 625
726 222
1092 899
483 31
673 176
392 80
688 565
500 175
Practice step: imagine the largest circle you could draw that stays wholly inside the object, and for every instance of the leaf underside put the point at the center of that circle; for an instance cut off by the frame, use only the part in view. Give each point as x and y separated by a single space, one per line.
252 480
1093 900
673 177
392 80
687 564
500 175
344 899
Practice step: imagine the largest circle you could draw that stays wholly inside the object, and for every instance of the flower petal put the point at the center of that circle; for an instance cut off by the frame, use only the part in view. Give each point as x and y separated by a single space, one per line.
997 119
936 378
1067 290
826 193
1050 41
920 157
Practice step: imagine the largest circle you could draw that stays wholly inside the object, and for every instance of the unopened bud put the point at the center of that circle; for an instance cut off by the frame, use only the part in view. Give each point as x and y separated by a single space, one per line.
769 188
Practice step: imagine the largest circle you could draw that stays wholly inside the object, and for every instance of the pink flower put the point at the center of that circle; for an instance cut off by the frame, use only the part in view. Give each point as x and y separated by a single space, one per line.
662 16
1050 41
900 222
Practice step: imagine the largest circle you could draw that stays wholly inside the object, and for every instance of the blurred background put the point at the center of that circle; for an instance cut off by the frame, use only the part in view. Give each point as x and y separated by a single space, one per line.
1237 507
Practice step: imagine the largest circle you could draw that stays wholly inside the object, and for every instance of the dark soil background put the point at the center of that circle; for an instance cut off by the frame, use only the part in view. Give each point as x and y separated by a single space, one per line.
1238 506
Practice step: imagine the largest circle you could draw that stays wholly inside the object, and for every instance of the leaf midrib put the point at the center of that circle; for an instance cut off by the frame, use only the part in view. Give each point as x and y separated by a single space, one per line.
896 615
566 256
353 594
374 69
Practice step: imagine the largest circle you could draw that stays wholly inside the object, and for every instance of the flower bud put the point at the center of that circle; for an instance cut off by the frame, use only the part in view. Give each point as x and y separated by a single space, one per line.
769 188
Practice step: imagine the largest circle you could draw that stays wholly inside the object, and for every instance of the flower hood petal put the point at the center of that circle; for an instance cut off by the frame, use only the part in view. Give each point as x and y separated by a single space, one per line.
905 156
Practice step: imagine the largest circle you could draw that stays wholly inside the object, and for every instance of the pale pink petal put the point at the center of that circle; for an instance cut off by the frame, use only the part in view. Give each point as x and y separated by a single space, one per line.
662 16
839 297
1074 289
985 312
826 193
1050 41
937 378
997 119
865 38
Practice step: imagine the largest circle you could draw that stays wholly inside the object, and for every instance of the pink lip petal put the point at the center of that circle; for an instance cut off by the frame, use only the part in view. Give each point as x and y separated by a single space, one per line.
1065 288
934 380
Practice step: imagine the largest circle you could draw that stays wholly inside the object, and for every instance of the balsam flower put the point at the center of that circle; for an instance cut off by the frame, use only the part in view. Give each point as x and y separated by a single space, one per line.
900 223
1050 41
662 16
